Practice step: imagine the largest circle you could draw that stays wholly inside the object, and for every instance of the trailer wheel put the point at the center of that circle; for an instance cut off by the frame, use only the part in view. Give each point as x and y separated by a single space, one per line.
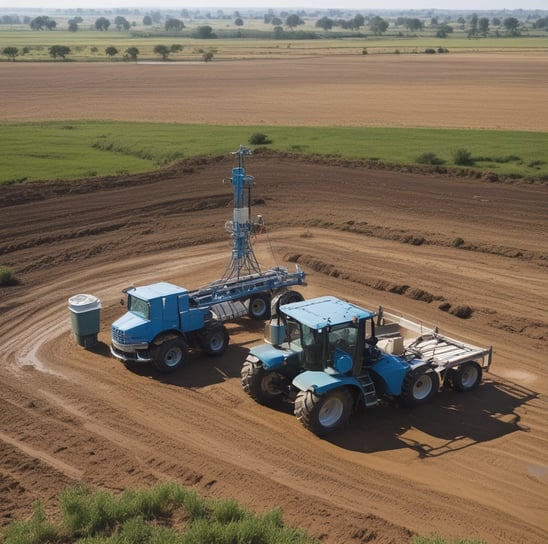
290 296
259 307
467 376
322 414
214 339
264 386
419 387
170 355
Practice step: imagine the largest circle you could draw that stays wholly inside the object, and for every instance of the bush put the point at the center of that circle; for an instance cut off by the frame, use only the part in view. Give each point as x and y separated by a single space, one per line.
429 158
430 51
463 157
6 277
458 242
259 139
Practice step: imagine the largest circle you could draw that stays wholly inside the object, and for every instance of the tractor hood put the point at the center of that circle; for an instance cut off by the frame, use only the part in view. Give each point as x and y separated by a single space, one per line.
131 328
272 357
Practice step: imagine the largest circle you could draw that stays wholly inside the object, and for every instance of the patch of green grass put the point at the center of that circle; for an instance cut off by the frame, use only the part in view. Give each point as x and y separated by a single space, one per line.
145 516
6 277
76 149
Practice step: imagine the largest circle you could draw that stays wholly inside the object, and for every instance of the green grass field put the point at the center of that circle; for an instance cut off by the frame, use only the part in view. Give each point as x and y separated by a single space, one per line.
79 149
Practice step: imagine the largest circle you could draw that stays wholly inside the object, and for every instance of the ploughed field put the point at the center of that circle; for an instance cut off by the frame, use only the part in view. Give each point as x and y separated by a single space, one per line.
467 464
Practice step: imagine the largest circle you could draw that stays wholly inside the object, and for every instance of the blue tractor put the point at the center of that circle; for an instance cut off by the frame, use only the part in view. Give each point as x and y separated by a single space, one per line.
330 356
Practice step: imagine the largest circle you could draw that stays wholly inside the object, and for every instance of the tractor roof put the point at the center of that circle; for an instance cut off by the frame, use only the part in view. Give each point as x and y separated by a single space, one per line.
317 313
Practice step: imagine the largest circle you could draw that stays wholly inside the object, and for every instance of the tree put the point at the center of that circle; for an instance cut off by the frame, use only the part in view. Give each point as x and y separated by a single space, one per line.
147 20
511 24
207 56
59 51
483 26
205 32
293 20
121 23
325 22
132 53
42 22
239 21
276 21
111 51
72 26
378 25
162 50
174 24
176 48
413 24
10 52
102 23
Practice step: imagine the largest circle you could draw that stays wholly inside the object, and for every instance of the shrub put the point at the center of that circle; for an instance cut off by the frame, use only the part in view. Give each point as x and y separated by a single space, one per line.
429 158
458 242
430 51
463 157
258 138
6 277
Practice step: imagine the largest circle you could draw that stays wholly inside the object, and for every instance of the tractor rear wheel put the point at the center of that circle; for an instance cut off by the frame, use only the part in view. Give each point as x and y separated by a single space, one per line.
170 355
259 307
290 296
214 339
419 387
467 376
322 414
264 386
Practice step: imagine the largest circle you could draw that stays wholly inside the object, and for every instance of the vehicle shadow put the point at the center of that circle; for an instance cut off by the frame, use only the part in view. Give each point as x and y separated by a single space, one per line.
453 421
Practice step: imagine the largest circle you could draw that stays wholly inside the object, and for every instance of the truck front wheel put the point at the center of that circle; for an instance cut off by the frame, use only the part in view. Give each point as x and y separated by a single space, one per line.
419 387
259 307
262 385
467 376
325 413
214 339
170 355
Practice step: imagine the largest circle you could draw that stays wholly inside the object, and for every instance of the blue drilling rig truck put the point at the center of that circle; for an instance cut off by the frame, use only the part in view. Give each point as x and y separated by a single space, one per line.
329 357
163 321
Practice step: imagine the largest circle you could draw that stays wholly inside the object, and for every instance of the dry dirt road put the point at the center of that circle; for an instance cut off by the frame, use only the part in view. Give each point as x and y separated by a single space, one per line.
467 464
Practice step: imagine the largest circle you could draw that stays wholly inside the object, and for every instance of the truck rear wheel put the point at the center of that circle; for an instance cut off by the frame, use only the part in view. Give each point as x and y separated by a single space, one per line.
324 413
467 376
264 386
170 355
419 387
214 339
259 307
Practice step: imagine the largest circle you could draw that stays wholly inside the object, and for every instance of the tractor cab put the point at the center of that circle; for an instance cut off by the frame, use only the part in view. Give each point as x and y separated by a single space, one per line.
328 333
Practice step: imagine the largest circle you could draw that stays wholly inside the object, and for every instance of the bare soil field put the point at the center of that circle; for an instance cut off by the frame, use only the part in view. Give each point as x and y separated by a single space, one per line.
470 464
467 90
467 464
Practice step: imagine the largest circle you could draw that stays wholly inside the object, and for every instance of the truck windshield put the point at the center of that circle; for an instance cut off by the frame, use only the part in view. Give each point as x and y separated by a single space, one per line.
138 307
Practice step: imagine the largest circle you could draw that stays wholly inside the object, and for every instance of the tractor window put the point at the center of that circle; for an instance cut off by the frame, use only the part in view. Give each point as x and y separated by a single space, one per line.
138 307
344 338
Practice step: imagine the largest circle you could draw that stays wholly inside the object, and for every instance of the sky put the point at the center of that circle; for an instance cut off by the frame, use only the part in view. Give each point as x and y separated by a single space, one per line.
360 5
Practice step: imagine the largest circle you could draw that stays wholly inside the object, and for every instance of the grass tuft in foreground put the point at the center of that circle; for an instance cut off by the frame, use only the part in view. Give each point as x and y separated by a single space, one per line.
165 514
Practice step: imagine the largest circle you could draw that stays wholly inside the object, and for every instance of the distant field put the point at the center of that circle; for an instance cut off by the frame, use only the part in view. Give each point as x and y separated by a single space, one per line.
88 45
78 149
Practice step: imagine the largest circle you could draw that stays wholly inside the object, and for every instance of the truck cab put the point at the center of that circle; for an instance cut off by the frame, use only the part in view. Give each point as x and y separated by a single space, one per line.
160 324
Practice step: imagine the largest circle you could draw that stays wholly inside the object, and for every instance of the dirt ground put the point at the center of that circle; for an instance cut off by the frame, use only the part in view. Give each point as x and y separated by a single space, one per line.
467 464
459 90
470 464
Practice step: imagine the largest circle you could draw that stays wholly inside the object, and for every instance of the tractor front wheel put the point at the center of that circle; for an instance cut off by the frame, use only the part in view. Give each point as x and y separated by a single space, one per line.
322 414
264 386
170 355
419 387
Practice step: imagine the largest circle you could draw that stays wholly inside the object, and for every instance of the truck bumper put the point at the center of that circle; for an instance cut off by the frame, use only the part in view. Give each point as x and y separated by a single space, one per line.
130 352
